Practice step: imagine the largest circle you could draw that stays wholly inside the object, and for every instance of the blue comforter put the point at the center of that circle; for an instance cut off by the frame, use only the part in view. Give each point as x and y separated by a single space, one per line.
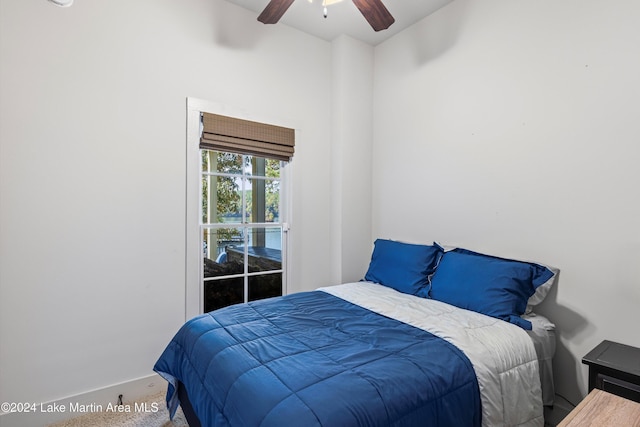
312 359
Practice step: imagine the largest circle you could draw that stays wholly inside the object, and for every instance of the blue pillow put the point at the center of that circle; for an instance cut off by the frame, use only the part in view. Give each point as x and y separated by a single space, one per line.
497 287
404 267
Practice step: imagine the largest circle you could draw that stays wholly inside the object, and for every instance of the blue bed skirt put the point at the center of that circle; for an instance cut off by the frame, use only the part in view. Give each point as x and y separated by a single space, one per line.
312 359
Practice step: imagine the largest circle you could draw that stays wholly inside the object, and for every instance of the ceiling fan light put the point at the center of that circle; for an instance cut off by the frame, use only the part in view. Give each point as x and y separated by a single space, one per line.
62 3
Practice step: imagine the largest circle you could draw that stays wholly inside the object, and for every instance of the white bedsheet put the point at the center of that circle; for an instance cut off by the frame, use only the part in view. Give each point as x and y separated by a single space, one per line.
543 336
502 354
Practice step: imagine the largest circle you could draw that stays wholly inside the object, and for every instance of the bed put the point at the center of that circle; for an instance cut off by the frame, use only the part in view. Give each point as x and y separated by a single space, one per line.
390 350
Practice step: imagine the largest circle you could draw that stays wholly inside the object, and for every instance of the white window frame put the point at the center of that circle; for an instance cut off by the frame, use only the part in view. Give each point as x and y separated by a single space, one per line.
194 280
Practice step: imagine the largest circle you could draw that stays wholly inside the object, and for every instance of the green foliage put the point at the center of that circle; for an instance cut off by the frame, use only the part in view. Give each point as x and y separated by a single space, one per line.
228 194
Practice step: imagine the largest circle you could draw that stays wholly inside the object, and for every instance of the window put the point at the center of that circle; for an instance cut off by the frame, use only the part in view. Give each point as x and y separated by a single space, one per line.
237 209
241 228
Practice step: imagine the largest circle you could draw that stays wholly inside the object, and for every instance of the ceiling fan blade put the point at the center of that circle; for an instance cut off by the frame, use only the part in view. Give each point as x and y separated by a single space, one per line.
274 11
376 13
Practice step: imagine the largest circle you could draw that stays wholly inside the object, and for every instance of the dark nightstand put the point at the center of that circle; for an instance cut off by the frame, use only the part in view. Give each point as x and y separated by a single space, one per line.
615 368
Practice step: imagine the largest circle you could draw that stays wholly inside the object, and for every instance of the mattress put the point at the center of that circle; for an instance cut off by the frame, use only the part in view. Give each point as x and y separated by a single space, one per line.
503 355
542 335
313 359
499 360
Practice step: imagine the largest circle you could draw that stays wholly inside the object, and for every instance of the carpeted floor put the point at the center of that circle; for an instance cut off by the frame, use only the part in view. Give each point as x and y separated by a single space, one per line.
153 414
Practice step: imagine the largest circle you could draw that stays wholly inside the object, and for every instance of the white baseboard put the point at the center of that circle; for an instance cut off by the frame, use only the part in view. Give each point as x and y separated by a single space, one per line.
45 413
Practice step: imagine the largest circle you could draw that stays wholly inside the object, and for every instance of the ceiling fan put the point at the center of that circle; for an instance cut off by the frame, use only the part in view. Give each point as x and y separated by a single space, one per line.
373 11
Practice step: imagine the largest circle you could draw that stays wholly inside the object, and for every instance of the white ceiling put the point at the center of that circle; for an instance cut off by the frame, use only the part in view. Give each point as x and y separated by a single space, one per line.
345 18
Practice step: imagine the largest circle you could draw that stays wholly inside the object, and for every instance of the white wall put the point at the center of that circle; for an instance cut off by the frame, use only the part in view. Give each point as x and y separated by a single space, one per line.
351 144
92 174
511 127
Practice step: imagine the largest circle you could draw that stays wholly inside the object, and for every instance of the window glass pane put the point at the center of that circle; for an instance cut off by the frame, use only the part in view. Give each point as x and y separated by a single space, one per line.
263 200
265 286
273 168
250 167
221 162
272 201
204 160
221 199
263 167
223 292
220 253
228 199
265 249
207 201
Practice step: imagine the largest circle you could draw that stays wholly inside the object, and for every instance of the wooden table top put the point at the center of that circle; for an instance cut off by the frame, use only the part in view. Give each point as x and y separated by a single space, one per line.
600 408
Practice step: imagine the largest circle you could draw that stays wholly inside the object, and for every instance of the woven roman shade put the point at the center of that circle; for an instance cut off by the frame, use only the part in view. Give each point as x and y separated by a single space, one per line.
222 133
